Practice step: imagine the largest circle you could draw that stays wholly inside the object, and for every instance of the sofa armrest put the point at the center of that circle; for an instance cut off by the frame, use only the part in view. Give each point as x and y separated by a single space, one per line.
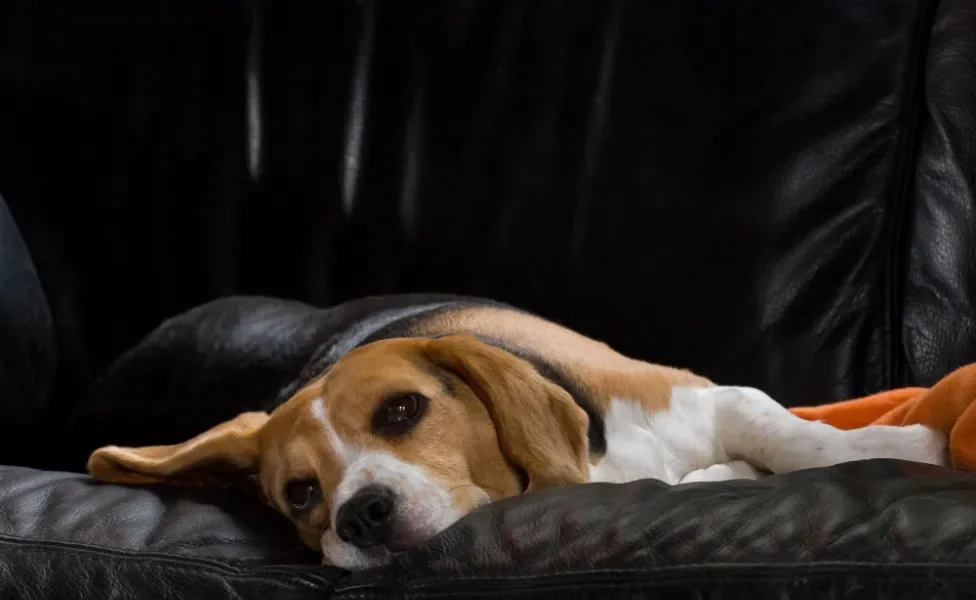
67 536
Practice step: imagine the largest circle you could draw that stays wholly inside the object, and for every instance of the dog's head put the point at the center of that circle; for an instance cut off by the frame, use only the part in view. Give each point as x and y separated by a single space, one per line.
398 440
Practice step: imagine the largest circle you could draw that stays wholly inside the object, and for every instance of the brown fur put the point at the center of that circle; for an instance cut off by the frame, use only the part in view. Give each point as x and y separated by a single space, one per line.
599 369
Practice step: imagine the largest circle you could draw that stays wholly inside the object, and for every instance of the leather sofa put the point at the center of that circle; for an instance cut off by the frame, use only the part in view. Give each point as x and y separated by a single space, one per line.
771 193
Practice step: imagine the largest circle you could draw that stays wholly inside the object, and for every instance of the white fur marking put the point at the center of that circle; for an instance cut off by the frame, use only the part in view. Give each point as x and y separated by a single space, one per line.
665 445
423 507
344 452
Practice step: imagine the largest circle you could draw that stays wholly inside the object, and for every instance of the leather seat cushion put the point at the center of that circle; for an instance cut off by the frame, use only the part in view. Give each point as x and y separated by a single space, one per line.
849 525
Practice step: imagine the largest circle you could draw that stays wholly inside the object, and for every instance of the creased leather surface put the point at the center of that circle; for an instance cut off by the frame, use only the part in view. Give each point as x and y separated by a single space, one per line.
895 529
214 361
66 536
195 370
940 293
710 184
828 525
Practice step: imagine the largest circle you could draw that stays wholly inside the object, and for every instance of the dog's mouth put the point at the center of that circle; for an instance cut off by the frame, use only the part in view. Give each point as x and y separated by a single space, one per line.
402 537
379 555
401 540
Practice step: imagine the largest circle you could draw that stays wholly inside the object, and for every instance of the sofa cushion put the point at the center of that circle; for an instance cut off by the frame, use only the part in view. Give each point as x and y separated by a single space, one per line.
66 536
193 371
879 528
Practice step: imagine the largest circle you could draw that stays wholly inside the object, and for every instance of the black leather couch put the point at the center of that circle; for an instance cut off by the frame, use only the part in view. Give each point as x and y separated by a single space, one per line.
772 193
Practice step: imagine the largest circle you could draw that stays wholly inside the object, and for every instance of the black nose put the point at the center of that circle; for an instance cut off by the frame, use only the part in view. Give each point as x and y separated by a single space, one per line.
364 520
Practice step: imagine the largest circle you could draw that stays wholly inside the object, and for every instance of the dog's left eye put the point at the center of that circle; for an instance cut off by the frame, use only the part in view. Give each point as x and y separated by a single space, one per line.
397 412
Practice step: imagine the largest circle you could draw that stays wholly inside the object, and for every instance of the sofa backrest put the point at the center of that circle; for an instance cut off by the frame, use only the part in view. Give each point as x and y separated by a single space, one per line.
773 194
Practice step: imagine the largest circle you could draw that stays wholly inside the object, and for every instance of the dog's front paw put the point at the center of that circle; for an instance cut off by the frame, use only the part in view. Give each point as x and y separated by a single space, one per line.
723 472
929 445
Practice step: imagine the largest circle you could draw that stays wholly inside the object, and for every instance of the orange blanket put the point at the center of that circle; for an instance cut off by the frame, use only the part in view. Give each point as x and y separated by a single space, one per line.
948 406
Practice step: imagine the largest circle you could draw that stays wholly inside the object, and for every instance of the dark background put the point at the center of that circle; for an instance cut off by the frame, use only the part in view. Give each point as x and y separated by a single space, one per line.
665 183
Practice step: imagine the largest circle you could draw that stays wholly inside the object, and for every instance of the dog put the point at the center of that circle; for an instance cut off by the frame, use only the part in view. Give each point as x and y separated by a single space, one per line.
416 410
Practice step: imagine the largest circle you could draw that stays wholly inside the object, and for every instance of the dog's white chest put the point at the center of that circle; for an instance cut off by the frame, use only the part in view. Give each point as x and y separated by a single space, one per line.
666 445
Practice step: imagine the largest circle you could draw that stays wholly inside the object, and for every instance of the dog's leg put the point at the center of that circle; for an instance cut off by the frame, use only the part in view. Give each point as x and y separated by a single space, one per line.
737 469
753 427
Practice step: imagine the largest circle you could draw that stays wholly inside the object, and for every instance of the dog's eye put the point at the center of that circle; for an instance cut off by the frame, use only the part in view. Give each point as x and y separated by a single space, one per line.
301 493
402 408
398 412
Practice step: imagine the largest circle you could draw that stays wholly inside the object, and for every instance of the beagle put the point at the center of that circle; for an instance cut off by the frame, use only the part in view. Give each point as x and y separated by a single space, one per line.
414 416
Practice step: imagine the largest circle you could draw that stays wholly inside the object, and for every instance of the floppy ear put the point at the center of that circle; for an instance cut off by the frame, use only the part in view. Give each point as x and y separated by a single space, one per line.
222 455
540 428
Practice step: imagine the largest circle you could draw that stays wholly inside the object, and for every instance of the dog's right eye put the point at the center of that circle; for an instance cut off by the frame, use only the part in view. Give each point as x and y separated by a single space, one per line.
398 413
302 493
